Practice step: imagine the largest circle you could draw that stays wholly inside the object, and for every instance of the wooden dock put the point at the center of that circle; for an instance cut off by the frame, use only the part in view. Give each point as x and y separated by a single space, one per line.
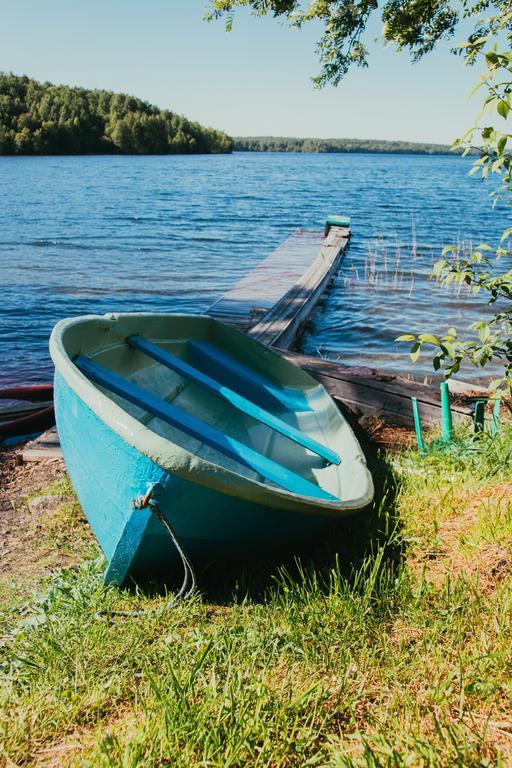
273 302
279 294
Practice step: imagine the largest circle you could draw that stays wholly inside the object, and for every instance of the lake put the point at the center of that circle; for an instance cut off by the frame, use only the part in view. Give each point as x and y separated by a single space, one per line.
171 233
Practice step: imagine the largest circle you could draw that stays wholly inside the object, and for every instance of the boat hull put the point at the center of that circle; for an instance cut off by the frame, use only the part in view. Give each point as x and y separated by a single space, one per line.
110 475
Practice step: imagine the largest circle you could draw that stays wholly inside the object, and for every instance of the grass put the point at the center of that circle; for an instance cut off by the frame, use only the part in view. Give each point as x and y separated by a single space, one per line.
395 652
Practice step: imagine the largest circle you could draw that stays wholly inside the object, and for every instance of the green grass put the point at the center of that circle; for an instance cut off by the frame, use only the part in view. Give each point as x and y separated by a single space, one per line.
396 652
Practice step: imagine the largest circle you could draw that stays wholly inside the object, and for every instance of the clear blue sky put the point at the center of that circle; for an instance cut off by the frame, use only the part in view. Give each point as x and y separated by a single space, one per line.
252 81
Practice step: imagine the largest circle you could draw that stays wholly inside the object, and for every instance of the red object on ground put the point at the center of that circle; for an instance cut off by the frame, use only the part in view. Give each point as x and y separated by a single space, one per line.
34 393
37 420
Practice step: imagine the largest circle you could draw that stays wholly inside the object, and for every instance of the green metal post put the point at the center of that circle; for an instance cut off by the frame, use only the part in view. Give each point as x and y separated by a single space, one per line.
446 414
496 417
479 417
417 425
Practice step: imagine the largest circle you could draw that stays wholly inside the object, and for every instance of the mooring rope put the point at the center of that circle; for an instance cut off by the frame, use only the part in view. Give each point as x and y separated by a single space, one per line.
189 577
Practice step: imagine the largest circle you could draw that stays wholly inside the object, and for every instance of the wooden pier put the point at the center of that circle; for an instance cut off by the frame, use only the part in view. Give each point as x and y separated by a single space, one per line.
273 302
274 299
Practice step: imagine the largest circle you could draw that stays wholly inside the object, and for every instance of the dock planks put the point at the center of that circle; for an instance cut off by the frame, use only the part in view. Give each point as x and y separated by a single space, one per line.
282 324
284 285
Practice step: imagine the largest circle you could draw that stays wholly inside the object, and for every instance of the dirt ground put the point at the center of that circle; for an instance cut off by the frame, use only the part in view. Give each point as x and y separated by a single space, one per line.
22 548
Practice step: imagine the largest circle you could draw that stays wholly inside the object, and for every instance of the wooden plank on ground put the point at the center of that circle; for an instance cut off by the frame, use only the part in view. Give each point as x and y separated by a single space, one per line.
46 446
370 392
281 325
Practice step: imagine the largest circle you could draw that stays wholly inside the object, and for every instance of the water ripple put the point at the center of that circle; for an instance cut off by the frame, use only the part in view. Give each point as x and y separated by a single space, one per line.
173 233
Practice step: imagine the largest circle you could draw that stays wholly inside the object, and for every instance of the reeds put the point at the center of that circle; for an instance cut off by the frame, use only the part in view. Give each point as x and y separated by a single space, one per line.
397 266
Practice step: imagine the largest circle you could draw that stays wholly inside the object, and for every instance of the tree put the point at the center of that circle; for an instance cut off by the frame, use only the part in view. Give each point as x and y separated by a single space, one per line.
41 118
418 25
486 269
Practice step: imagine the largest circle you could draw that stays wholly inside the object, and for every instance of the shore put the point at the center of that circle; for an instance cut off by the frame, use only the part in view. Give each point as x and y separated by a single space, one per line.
390 643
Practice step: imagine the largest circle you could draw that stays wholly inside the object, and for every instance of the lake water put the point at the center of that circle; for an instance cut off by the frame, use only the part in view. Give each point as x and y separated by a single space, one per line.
172 233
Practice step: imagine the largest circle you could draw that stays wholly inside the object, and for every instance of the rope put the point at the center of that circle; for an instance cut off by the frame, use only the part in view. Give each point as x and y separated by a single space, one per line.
189 578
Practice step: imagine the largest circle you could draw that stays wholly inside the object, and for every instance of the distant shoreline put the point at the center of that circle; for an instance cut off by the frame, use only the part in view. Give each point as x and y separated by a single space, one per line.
344 152
405 153
336 146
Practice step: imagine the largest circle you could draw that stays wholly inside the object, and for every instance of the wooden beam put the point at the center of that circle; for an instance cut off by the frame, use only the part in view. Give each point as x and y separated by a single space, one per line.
46 446
370 392
281 325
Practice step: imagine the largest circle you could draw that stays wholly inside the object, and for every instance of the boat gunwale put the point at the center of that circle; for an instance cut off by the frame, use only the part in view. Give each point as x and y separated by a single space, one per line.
174 458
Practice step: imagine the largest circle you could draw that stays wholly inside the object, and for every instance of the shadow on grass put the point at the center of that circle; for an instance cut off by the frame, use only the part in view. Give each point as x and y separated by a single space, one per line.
347 544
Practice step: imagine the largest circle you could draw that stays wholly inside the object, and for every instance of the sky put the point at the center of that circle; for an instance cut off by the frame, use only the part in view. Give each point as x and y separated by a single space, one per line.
252 81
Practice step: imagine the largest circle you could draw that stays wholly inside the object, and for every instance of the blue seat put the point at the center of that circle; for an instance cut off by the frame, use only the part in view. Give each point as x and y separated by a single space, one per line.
248 382
190 425
238 401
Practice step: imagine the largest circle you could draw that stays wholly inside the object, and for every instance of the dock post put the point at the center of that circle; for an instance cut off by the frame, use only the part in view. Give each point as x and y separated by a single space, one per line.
496 417
446 414
417 425
479 420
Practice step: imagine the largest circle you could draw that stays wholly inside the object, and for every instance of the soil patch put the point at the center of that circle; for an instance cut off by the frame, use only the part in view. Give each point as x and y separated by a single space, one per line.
24 551
489 561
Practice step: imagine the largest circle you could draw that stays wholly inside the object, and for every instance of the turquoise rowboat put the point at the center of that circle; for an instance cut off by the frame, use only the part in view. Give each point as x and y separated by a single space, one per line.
184 419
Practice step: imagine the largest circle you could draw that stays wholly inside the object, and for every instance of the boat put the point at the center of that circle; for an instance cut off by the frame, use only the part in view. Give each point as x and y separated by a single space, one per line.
25 410
181 424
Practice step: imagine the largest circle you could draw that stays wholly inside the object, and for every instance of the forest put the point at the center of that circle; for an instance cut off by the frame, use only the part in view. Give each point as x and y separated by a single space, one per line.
290 144
45 119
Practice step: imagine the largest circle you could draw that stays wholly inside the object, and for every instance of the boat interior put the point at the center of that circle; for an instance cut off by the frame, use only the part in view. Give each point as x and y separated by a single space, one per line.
224 398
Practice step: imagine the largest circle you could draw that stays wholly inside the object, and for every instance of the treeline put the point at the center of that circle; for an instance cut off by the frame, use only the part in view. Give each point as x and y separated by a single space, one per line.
289 144
45 119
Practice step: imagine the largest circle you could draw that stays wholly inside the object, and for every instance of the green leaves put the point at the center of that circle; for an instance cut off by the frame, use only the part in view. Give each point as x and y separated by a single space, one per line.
415 351
417 25
428 338
406 337
503 108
